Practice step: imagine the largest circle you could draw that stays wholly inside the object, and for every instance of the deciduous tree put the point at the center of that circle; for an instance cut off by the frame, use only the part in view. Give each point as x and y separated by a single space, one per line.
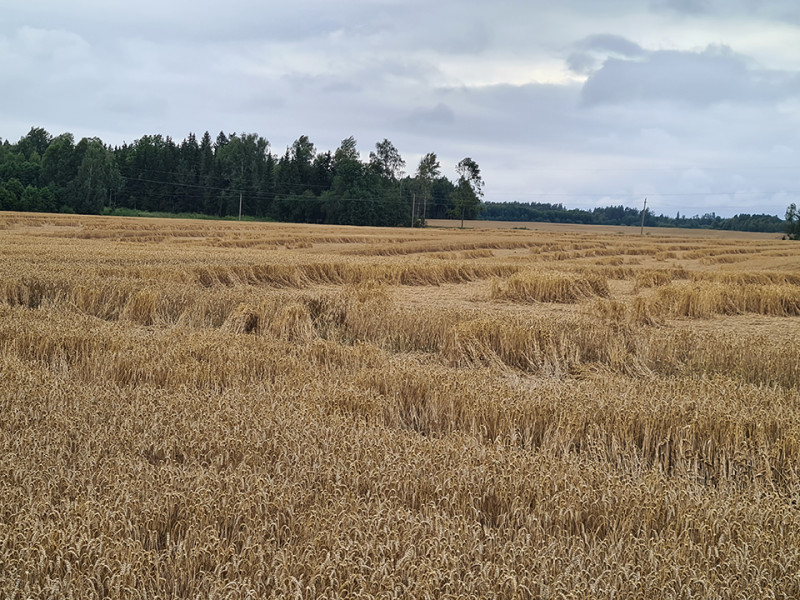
793 222
386 160
428 171
469 189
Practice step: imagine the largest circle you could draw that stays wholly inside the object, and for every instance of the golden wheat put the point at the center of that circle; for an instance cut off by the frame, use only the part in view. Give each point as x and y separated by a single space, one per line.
532 286
238 410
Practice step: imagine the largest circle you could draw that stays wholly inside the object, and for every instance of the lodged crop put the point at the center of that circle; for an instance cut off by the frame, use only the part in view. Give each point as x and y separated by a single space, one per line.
239 410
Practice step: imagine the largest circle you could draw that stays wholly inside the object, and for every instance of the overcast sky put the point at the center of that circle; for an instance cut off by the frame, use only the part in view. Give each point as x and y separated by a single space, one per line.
694 104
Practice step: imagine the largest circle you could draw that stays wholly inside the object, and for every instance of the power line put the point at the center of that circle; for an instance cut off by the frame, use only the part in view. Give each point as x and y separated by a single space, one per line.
262 196
609 195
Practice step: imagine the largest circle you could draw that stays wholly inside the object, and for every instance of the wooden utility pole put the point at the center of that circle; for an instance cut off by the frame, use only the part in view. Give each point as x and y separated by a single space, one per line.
644 212
413 202
240 193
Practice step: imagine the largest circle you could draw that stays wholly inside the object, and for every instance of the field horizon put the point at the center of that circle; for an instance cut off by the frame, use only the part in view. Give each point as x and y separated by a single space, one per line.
605 229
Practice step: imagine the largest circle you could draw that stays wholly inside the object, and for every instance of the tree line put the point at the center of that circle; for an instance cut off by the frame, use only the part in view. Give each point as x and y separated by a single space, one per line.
231 175
623 215
238 174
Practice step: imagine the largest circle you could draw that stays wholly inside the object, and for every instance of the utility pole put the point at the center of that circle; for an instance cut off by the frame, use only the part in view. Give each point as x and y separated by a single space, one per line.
240 193
644 212
413 203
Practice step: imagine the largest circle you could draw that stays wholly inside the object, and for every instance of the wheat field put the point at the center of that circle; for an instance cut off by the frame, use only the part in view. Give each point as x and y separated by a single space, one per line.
198 409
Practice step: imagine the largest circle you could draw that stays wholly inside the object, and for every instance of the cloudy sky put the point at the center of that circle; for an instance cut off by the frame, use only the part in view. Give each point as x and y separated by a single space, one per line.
694 104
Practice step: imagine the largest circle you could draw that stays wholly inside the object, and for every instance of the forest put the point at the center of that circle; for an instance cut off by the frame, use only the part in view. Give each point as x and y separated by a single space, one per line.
239 175
623 215
231 175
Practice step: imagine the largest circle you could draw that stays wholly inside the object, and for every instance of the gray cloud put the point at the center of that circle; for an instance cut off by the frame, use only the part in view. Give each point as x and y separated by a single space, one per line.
594 49
340 87
424 119
579 102
684 6
711 76
611 44
782 11
582 63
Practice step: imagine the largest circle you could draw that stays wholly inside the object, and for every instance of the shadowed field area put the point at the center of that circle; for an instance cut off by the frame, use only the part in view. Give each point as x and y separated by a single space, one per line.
238 410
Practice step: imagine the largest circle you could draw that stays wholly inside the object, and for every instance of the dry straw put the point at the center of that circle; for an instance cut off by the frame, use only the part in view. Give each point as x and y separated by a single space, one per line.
232 410
545 286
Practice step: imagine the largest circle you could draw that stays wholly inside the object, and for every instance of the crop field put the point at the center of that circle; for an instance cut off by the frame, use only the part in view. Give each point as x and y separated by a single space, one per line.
200 409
